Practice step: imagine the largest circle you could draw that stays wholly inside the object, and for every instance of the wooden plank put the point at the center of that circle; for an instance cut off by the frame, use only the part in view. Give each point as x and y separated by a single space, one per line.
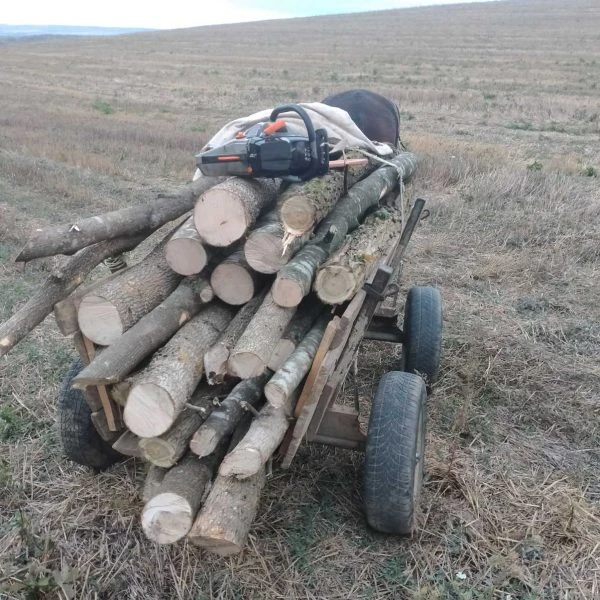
321 371
107 403
340 427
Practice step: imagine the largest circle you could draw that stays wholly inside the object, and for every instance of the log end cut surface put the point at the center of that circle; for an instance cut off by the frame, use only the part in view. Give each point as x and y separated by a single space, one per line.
264 252
232 283
158 452
298 215
167 518
335 285
149 411
220 218
186 256
287 292
99 320
246 365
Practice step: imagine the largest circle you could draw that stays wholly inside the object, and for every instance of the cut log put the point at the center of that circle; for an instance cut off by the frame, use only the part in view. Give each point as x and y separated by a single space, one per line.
294 280
186 252
169 515
224 213
128 444
160 392
265 250
58 286
251 354
308 312
303 205
167 449
234 281
114 307
65 311
101 425
347 269
224 419
287 379
149 333
154 478
224 521
130 221
215 359
265 435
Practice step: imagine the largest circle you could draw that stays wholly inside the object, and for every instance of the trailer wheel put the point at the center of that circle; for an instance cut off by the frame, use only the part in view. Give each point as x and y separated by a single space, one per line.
393 470
80 441
422 346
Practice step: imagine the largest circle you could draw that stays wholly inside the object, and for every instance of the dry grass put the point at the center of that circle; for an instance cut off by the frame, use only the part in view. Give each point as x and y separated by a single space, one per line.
501 100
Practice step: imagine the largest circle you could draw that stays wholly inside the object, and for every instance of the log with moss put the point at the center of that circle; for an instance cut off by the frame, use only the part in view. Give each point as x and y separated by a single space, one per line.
294 280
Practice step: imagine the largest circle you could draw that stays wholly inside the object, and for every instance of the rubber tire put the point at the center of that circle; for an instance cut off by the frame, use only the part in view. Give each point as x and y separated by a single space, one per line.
80 441
422 346
393 469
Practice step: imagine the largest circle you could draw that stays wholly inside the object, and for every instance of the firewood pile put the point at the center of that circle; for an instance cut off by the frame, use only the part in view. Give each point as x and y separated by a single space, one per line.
196 355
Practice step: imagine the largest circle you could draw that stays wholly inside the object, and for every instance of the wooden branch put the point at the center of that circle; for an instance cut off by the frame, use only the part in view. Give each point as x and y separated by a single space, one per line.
186 253
150 332
169 515
287 379
303 205
114 307
347 269
234 281
167 449
58 286
224 213
253 350
308 312
294 280
265 249
224 521
130 221
160 392
215 359
266 433
224 419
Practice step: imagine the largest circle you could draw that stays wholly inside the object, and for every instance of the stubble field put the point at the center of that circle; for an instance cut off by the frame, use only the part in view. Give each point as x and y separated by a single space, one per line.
501 100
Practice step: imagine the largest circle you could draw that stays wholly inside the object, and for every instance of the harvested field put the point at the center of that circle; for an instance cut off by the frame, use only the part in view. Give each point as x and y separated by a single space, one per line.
502 101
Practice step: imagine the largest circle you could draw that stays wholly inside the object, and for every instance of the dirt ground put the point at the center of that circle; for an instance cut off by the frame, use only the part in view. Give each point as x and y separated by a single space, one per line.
501 101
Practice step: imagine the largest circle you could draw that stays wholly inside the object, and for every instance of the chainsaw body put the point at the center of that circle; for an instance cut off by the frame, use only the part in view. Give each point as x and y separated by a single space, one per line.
270 150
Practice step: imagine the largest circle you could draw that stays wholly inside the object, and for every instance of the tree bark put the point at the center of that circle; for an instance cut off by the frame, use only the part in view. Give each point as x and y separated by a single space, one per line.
253 350
169 515
150 332
215 359
224 521
287 379
234 281
294 280
346 270
303 205
224 419
224 213
58 286
308 312
265 250
154 478
167 449
260 443
186 252
114 307
160 392
130 221
128 444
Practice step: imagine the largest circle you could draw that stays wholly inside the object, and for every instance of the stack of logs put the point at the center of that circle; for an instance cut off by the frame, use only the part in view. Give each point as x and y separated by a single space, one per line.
198 352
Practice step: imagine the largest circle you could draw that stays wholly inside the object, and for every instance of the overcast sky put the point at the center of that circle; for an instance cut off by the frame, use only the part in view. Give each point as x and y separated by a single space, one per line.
171 14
